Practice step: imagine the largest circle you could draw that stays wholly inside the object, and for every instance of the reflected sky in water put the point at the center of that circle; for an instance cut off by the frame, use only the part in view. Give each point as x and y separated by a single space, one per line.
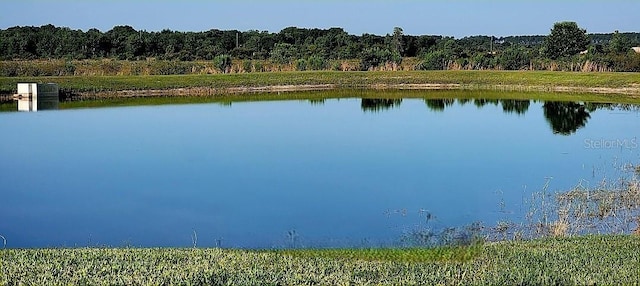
333 173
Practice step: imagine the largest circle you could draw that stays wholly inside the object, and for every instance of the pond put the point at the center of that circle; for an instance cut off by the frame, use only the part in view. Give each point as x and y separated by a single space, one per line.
336 172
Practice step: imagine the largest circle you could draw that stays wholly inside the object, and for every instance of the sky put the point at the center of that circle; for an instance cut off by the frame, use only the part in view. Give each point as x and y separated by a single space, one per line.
458 18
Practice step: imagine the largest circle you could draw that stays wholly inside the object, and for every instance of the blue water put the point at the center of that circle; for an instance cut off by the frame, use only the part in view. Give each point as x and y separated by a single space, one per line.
288 173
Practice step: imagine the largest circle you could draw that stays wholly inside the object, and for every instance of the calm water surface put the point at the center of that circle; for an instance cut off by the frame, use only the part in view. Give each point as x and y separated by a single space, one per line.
333 173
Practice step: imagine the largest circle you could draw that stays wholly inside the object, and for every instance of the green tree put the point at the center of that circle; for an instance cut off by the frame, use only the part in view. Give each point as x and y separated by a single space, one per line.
483 60
398 43
283 53
514 58
222 63
375 57
436 60
619 43
566 39
123 40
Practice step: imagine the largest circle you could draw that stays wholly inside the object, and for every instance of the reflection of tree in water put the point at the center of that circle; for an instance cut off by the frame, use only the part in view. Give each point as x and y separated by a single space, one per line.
319 101
439 104
565 117
515 106
593 106
480 102
379 104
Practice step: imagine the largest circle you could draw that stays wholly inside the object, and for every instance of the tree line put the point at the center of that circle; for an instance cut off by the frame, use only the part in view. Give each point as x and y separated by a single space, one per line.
566 47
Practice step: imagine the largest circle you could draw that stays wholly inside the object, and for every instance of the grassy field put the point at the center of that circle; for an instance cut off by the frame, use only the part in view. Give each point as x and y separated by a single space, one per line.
580 260
468 79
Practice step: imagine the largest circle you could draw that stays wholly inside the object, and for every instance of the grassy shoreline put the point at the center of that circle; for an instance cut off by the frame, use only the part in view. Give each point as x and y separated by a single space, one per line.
621 84
321 95
578 260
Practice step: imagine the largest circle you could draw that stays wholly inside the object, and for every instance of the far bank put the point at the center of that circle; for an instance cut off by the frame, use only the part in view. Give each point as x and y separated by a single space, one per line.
615 85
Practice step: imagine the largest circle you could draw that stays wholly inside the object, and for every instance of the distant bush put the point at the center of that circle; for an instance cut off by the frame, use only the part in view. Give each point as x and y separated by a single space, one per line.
436 60
376 57
316 63
283 53
259 67
336 66
301 65
247 65
170 67
222 63
483 61
625 62
514 58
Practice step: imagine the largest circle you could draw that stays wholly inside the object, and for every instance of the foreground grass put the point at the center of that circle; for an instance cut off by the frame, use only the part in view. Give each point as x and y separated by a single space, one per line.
581 260
477 79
